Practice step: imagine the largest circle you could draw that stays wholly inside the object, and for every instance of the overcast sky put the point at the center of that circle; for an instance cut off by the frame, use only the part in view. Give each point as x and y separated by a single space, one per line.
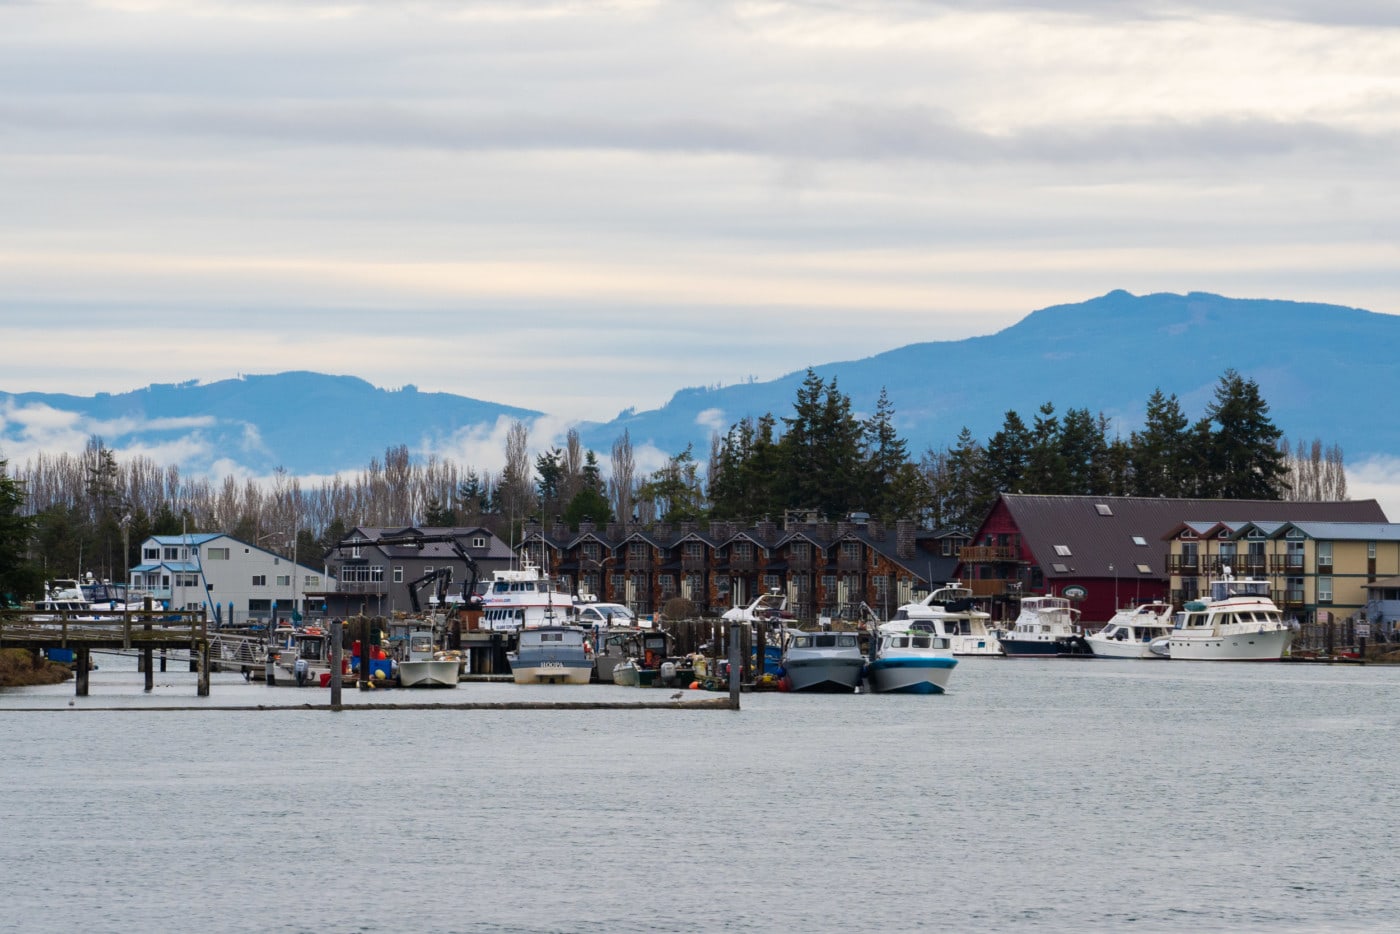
578 207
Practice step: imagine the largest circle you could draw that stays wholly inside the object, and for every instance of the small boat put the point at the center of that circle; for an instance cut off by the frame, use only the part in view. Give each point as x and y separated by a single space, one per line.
823 661
651 664
1047 627
424 667
909 661
552 655
770 608
1238 623
300 656
1132 630
950 612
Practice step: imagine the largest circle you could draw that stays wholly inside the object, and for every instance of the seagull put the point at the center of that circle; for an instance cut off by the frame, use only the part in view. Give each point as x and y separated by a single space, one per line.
678 695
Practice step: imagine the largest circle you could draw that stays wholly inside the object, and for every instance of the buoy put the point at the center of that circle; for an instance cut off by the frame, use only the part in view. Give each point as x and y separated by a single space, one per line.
695 685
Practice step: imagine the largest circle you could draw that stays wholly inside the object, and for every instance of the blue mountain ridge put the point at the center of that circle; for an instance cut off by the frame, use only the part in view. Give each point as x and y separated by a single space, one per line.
1108 355
1324 370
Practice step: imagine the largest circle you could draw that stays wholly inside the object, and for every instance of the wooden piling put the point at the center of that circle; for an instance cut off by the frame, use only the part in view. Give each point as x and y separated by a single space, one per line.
337 653
202 684
83 657
734 664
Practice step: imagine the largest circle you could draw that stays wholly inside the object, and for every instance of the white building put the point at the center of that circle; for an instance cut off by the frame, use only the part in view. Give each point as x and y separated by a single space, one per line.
233 580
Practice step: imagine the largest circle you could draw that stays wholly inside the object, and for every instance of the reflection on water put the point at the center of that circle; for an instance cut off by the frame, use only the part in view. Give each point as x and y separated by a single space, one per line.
1050 795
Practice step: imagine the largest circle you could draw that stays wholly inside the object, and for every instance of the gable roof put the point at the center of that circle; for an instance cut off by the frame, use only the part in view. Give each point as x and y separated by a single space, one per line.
1100 531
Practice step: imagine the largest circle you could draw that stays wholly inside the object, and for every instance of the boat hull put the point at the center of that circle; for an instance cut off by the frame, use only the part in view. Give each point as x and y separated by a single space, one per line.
1062 647
909 675
972 646
1112 648
1235 647
430 674
830 675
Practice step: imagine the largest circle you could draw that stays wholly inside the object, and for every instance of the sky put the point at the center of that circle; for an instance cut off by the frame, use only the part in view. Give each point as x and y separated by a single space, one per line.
580 207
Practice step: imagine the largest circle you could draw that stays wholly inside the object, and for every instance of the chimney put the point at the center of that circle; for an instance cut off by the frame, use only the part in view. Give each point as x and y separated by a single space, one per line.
904 538
587 525
766 531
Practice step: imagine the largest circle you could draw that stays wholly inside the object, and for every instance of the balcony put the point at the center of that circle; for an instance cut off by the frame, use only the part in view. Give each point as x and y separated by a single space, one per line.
694 563
850 563
743 563
990 588
1183 565
800 562
988 554
1291 598
370 588
1284 564
640 562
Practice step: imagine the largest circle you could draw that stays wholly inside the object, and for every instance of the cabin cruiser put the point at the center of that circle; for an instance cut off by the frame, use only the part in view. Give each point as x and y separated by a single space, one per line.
521 598
1047 627
949 612
823 661
1131 631
909 661
1239 622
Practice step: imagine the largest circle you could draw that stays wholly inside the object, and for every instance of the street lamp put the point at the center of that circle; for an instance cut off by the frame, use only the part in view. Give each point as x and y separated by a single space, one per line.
1114 571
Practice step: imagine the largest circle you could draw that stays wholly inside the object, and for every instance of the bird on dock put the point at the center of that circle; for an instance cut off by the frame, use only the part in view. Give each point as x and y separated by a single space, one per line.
678 695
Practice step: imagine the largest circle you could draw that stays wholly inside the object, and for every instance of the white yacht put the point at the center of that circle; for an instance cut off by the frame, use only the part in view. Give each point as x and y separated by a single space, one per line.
1239 622
1129 634
522 598
950 612
1047 627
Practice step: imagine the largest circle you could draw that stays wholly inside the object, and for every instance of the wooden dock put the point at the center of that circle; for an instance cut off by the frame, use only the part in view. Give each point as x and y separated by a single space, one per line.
142 630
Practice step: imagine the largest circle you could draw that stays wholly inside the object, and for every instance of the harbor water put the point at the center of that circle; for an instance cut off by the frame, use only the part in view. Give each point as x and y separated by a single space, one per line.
1044 795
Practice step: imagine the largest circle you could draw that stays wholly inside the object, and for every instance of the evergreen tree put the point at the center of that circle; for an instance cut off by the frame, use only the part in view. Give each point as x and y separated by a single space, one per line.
885 466
970 489
1006 456
1157 452
1244 454
1084 453
1045 467
18 577
674 490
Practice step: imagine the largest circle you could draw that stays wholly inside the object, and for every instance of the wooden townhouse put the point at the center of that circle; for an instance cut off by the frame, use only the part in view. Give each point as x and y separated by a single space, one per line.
845 569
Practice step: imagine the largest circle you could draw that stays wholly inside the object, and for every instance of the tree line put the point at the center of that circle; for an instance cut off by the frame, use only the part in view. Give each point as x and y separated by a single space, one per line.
64 514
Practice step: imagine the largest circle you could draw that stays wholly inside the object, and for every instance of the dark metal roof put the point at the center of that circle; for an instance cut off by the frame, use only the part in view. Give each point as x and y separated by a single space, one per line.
1099 531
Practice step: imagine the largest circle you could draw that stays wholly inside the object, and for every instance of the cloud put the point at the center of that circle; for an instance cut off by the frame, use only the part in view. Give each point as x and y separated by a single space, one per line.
712 419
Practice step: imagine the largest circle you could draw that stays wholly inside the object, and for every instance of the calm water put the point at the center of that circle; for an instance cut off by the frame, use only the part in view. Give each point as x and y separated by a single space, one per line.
1037 795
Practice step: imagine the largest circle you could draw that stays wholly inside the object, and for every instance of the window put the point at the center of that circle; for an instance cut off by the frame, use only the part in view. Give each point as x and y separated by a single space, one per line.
1059 568
311 581
170 553
1063 551
590 551
1144 568
151 554
398 573
217 554
479 541
1139 541
1324 590
259 580
1371 550
1103 509
284 580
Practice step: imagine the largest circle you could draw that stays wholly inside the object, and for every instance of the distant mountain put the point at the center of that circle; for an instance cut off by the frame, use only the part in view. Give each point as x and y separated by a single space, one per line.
1325 371
308 423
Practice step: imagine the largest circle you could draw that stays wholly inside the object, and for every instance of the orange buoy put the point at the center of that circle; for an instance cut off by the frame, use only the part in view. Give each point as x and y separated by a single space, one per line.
695 685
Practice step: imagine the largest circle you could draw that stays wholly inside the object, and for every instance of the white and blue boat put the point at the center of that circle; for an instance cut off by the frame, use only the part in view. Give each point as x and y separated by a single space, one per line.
909 661
552 655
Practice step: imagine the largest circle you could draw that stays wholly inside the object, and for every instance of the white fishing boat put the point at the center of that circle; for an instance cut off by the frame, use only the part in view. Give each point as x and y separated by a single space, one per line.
823 661
1238 622
300 656
424 667
909 661
950 612
557 654
524 597
1047 627
1131 631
